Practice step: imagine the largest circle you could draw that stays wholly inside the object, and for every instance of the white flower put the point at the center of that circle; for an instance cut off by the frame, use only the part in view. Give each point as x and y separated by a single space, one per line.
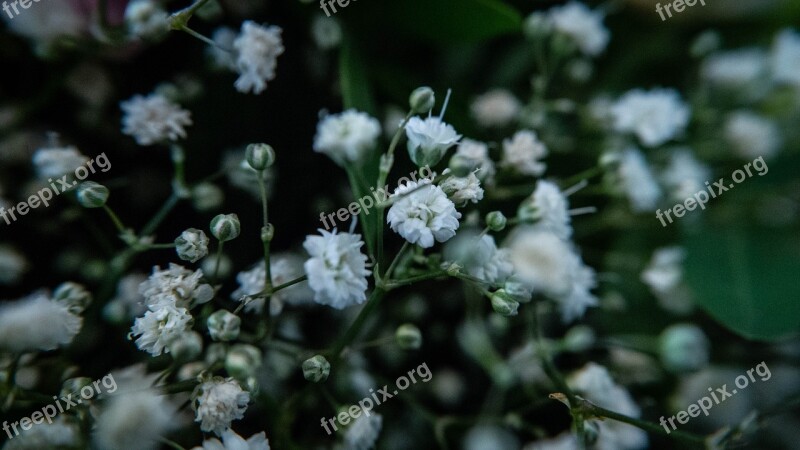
62 433
596 385
664 276
480 256
564 441
489 437
685 175
159 327
128 302
550 208
581 24
154 119
429 139
347 136
684 348
785 57
55 162
146 18
549 265
327 32
222 54
36 323
337 271
258 48
232 441
176 286
462 190
192 245
363 433
735 68
495 108
752 135
635 180
655 116
217 403
284 268
422 214
523 153
135 420
12 265
478 153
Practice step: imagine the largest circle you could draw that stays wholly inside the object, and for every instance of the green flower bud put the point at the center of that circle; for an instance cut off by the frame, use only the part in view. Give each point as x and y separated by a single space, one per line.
215 353
408 337
226 227
187 347
316 369
421 100
92 195
72 295
461 166
496 221
504 304
259 156
528 212
223 325
683 348
517 290
267 233
242 361
192 245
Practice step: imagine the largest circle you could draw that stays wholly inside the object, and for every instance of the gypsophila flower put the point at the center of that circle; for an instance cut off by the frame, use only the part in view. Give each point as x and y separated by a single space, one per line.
583 25
429 139
523 153
495 108
327 32
154 119
63 432
634 179
462 190
785 57
222 54
478 153
479 256
564 441
336 270
735 68
176 286
654 116
751 135
684 348
284 268
258 48
664 276
232 441
217 403
128 302
55 162
146 18
159 327
347 136
135 420
364 432
422 213
36 323
12 265
192 245
684 175
549 209
244 177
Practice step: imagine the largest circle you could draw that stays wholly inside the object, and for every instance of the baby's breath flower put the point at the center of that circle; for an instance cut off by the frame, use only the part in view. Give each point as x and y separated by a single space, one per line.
548 208
364 432
462 190
423 214
258 48
55 162
785 57
36 323
582 25
232 441
751 135
654 116
523 153
496 108
327 32
222 55
192 245
284 267
347 136
429 139
223 325
158 328
685 175
478 153
634 179
154 119
175 286
337 271
146 19
683 348
217 403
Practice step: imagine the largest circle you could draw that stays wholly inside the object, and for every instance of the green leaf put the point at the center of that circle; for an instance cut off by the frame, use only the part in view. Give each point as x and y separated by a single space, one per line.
747 279
355 82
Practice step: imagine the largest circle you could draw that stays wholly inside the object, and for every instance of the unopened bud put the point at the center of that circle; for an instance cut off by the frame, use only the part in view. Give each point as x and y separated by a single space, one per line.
192 245
259 156
187 347
408 337
242 361
503 304
421 100
92 195
461 166
223 326
316 369
225 227
267 233
496 221
72 295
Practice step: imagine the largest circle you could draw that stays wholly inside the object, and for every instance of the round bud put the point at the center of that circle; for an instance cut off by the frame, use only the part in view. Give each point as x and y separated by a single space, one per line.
421 100
259 156
192 245
496 221
267 233
226 227
187 347
503 304
517 290
316 369
72 295
683 348
408 337
242 361
461 166
92 195
223 325
528 212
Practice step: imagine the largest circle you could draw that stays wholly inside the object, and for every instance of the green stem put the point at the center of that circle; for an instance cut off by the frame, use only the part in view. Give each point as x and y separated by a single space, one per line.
389 285
162 213
115 219
289 283
355 328
216 265
265 238
397 258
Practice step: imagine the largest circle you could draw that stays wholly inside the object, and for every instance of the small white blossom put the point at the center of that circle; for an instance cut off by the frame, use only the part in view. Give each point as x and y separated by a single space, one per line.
347 136
654 116
429 139
685 175
55 162
462 190
135 420
154 119
160 327
337 271
176 286
495 108
222 54
634 179
478 153
146 18
684 348
232 441
284 268
752 135
327 32
128 302
62 433
364 432
664 276
564 441
422 213
523 153
489 436
583 25
12 265
258 48
550 208
36 323
480 257
217 403
735 68
192 245
785 57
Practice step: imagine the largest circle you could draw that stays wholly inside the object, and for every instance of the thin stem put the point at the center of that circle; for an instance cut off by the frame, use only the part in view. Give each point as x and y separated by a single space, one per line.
115 219
581 177
397 258
216 265
289 283
169 443
389 285
266 239
355 328
162 213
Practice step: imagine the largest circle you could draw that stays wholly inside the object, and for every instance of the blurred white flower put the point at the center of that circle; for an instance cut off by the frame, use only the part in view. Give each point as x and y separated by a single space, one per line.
462 190
284 268
654 116
258 48
135 420
495 108
159 327
429 139
364 432
217 403
634 179
146 18
128 302
489 437
347 136
684 175
422 213
55 162
564 441
222 55
12 265
735 68
664 276
523 153
62 433
549 208
154 119
479 256
327 32
337 271
232 441
684 348
752 135
36 323
785 57
583 25
478 153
